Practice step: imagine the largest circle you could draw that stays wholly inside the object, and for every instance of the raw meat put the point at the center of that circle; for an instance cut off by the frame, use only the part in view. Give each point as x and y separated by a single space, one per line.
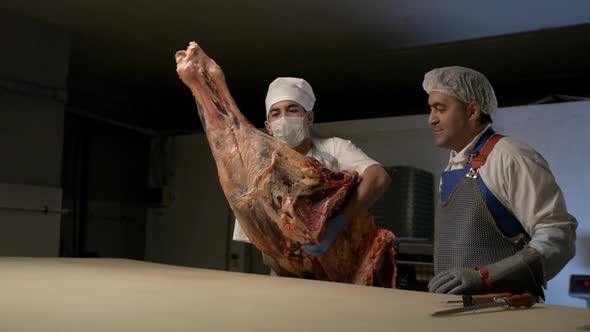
281 198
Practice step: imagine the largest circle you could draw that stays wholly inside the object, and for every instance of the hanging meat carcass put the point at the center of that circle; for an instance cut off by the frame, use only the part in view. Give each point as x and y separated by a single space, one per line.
281 198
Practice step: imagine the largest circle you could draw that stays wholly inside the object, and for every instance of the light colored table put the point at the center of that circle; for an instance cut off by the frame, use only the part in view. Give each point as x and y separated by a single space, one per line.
59 294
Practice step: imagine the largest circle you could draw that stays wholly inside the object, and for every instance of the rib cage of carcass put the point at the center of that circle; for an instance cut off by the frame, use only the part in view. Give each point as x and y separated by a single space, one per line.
281 198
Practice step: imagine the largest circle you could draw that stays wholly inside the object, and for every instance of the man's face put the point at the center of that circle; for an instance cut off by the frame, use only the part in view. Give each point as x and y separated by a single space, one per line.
286 108
452 121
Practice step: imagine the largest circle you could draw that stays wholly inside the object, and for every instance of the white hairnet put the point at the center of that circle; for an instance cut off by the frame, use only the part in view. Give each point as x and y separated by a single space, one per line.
464 84
290 88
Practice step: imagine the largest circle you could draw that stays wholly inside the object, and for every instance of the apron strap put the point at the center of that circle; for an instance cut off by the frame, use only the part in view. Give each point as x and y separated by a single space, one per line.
480 159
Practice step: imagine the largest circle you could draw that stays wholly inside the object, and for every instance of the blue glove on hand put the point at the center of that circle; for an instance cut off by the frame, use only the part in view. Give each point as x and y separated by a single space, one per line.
458 280
335 225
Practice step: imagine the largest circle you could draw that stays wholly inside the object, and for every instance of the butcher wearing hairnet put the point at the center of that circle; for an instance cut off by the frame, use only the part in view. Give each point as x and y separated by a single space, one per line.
501 222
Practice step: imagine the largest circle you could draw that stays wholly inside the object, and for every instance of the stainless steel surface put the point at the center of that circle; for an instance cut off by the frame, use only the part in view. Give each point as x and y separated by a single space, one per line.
409 248
414 263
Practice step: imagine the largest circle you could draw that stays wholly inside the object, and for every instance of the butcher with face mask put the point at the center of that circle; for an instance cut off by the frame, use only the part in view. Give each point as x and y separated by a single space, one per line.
289 115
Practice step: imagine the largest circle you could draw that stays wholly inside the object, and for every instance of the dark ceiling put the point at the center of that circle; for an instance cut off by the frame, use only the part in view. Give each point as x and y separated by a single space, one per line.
364 59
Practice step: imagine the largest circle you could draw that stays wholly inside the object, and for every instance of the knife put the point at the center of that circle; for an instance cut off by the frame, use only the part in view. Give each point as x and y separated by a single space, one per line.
513 301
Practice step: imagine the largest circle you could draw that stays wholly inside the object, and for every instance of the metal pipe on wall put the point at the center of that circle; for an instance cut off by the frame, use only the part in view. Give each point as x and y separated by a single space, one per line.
34 89
44 209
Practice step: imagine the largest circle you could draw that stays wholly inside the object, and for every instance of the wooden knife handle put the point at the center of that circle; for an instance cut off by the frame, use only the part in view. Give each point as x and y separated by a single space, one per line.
481 299
523 300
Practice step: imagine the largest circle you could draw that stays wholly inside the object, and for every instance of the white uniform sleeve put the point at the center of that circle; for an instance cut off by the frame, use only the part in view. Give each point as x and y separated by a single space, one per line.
521 180
239 234
349 156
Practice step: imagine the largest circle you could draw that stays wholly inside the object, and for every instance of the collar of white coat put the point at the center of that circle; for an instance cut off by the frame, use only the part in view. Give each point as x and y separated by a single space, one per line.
460 158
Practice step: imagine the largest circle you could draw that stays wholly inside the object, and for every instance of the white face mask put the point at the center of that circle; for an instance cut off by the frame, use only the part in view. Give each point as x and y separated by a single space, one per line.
290 130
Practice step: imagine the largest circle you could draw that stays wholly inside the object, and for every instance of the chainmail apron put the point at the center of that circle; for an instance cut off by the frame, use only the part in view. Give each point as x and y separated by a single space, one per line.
465 232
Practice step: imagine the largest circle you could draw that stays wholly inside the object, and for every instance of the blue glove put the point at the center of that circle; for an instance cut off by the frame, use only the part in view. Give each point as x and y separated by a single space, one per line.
458 280
335 226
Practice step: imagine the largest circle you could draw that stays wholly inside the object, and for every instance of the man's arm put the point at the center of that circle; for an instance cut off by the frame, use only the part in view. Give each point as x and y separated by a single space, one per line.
374 182
524 184
371 187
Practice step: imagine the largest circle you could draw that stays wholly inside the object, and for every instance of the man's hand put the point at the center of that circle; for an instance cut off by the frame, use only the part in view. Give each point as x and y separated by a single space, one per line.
457 280
516 274
334 226
373 183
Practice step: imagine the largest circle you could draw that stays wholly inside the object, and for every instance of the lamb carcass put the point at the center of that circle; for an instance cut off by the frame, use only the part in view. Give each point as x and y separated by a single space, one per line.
281 198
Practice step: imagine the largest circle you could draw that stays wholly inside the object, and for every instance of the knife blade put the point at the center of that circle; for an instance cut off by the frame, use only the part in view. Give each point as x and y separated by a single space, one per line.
513 301
469 308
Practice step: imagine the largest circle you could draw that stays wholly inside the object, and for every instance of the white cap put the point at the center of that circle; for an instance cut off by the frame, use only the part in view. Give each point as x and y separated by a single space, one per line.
464 84
290 88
